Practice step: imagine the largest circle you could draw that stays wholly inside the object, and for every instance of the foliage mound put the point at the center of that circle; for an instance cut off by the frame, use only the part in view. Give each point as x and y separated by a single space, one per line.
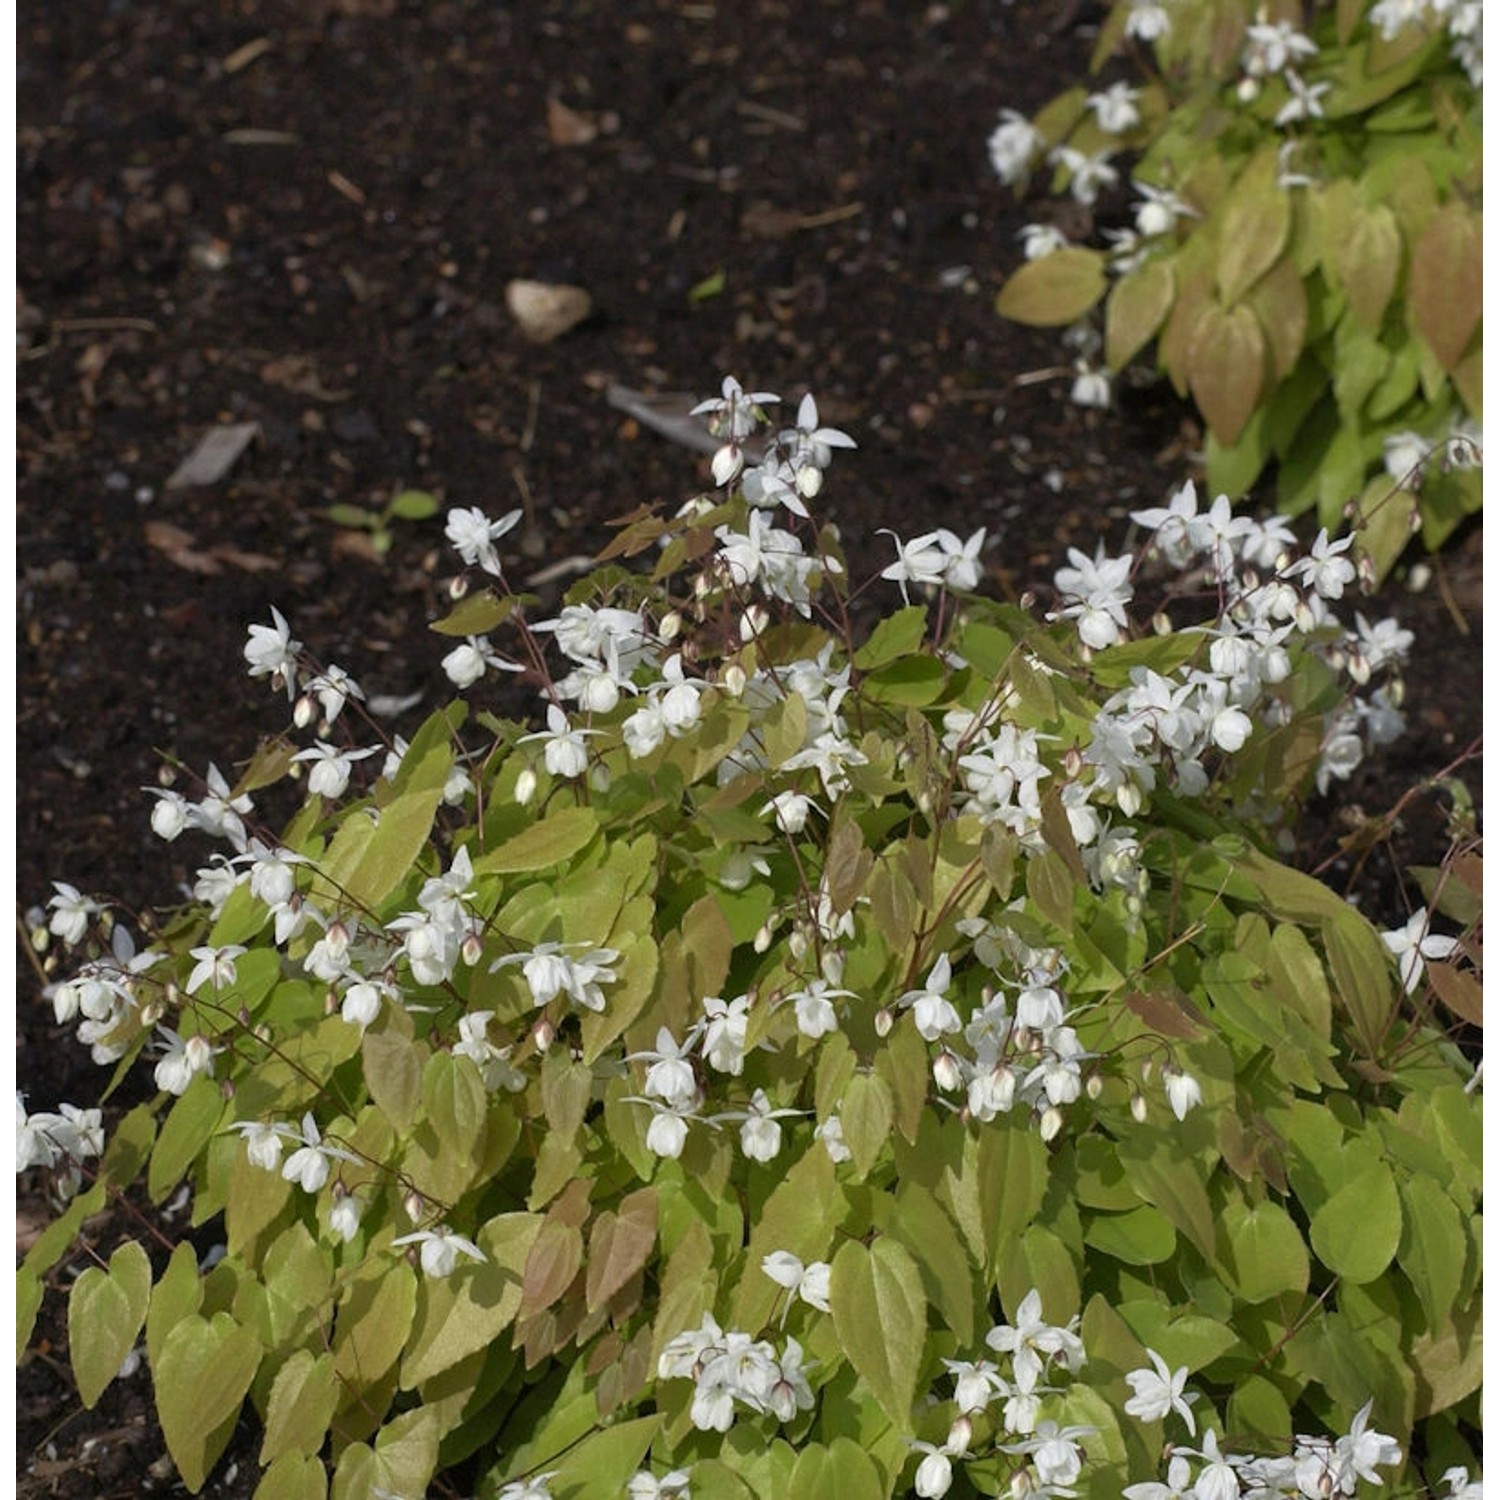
1306 248
814 1061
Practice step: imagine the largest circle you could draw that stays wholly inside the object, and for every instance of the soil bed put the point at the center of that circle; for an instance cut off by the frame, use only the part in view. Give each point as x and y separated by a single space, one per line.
304 216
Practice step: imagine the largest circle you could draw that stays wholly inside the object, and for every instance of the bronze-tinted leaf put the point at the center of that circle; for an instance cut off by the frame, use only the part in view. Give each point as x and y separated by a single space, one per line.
1447 282
1253 232
1369 262
1226 368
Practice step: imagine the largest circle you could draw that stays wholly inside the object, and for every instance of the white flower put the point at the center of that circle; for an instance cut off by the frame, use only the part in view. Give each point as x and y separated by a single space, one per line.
71 911
1091 388
534 1488
1411 944
1178 1486
1095 591
931 1010
1087 174
564 752
263 1142
441 1248
1041 240
1159 1391
934 1476
976 1382
465 664
667 1133
1460 1486
791 810
1115 109
670 1077
733 414
760 1134
1217 1479
215 966
831 1133
1013 144
1031 1342
1147 20
331 767
172 814
271 652
182 1060
808 1283
1405 453
343 1216
725 1032
1325 568
309 1165
474 535
644 1485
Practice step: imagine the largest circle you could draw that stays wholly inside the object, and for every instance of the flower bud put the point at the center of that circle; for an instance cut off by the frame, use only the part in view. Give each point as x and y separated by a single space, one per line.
1359 666
1247 90
1028 599
525 786
884 1020
458 587
797 943
809 481
670 627
1094 1085
762 938
1052 1122
1395 692
734 680
330 1002
543 1033
1128 799
599 777
832 965
1138 1108
1305 620
1072 762
414 1205
960 1435
946 1072
472 950
1161 622
152 1013
1364 569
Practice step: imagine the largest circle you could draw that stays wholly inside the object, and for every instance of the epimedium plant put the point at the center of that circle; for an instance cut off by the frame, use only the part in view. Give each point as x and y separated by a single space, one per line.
799 1059
1305 251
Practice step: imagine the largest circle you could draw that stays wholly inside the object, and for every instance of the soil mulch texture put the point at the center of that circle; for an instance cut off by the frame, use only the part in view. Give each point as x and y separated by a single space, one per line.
304 216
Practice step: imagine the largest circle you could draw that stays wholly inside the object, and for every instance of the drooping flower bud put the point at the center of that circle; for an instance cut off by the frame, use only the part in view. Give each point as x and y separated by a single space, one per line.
1052 1122
525 786
884 1020
1138 1108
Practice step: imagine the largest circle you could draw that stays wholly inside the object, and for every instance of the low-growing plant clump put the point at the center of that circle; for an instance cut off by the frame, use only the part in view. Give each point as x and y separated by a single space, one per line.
798 1061
1305 249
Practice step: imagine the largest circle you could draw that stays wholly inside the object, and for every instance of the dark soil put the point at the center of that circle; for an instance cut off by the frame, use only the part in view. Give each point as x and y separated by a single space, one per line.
305 214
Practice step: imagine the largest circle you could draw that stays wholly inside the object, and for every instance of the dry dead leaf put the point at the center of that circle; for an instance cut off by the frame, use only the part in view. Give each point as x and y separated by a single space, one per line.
545 312
178 547
217 453
298 373
568 127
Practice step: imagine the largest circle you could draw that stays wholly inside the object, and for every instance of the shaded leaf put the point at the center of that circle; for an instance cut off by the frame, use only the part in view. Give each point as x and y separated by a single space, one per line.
1226 367
880 1317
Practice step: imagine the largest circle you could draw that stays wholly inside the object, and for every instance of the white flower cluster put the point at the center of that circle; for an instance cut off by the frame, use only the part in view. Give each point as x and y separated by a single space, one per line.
1051 1456
1318 1468
1462 19
731 1369
60 1141
1215 701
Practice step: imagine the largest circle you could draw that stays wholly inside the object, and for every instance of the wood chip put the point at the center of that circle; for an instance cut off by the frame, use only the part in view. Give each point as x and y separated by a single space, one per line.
217 453
545 312
341 184
249 135
242 57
